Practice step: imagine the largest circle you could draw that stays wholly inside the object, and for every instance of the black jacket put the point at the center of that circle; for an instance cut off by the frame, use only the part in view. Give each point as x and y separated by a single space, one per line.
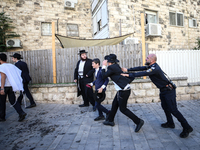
87 70
25 72
114 72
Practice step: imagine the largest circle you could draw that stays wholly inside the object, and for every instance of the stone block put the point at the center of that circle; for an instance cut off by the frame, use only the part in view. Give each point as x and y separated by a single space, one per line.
190 90
38 96
131 100
139 100
109 101
63 89
72 89
43 90
146 85
180 90
58 96
138 86
194 96
197 88
133 86
150 92
70 96
182 83
139 93
33 90
185 97
53 90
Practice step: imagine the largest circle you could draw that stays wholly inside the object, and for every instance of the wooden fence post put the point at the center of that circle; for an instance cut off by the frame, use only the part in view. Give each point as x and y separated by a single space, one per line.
143 41
53 52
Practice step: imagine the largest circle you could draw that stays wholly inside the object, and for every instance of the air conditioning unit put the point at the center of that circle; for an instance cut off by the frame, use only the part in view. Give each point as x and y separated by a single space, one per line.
153 29
69 3
131 41
13 43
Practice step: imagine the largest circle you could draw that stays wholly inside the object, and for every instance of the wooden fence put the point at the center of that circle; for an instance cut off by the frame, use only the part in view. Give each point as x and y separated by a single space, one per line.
40 61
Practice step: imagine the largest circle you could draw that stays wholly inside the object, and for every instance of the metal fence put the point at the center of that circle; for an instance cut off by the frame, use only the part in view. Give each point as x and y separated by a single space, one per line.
40 61
180 63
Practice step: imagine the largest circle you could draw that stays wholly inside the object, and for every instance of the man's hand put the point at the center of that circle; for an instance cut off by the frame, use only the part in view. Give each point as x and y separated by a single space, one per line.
75 80
125 75
105 63
100 90
2 92
124 69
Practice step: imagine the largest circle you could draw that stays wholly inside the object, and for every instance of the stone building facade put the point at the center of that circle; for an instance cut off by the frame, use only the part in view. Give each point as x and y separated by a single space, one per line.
177 36
178 19
29 16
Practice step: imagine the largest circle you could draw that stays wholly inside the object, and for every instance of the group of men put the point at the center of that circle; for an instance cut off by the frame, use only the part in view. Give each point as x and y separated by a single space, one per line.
14 80
121 77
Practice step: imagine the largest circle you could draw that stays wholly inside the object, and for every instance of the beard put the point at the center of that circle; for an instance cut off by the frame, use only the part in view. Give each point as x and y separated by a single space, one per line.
147 63
83 59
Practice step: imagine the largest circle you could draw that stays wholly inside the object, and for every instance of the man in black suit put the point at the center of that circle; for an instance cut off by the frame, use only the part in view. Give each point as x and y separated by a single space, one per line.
26 78
83 74
123 92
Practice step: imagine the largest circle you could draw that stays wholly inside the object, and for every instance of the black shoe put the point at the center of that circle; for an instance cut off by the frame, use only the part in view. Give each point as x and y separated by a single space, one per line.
82 105
99 118
186 132
139 126
1 120
22 117
167 125
109 123
32 105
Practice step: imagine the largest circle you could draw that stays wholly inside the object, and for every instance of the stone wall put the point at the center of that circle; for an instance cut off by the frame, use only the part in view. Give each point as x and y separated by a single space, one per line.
173 37
28 15
142 91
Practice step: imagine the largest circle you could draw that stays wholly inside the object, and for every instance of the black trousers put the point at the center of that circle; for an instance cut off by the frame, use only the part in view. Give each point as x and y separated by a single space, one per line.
87 93
168 103
120 101
11 97
28 94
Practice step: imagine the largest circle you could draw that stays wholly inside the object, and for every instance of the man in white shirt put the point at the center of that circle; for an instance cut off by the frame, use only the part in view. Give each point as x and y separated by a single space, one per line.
11 82
83 74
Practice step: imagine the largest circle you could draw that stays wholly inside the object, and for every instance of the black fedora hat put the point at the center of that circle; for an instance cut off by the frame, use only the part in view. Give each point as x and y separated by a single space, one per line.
99 97
82 51
112 58
106 57
16 55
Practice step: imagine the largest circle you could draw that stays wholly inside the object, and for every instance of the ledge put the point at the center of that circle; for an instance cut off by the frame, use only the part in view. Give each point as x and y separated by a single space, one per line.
51 85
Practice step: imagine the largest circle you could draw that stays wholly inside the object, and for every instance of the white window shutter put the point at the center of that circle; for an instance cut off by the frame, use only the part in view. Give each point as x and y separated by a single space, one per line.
98 15
190 23
94 24
104 15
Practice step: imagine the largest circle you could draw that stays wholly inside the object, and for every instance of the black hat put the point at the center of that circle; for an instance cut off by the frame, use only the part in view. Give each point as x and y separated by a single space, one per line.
106 57
82 51
17 55
112 58
99 97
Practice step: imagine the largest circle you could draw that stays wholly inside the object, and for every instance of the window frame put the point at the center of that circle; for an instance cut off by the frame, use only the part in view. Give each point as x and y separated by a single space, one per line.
68 31
176 19
50 33
151 12
192 19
